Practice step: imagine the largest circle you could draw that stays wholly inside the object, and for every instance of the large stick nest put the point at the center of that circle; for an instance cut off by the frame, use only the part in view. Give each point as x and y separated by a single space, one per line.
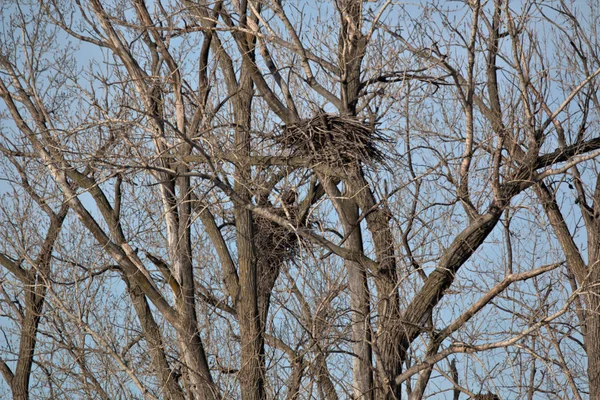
334 140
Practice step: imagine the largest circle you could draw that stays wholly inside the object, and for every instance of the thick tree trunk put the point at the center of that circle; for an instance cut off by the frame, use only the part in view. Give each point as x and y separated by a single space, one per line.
360 305
592 321
190 343
153 338
587 276
251 374
362 363
592 341
592 328
388 341
35 297
252 371
389 351
201 386
33 310
351 50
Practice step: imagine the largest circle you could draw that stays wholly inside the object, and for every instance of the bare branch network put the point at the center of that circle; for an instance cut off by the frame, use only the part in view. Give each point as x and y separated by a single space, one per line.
265 199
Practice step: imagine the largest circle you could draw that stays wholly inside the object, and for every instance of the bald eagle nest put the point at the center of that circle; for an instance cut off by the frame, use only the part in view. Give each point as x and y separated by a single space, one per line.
275 243
333 140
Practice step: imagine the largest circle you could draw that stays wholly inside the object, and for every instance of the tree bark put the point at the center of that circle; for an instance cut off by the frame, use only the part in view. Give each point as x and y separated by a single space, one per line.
390 351
35 297
153 338
252 371
592 341
586 276
362 363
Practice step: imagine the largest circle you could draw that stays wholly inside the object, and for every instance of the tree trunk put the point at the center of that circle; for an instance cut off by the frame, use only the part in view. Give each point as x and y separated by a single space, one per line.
252 371
252 347
33 310
360 306
592 341
389 350
35 297
362 363
587 276
153 338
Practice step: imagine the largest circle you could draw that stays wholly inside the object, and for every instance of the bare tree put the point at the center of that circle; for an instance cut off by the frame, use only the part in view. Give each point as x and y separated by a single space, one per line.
288 199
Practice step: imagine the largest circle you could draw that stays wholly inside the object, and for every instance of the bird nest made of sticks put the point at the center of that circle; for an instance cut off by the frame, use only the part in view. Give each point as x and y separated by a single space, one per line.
334 140
275 243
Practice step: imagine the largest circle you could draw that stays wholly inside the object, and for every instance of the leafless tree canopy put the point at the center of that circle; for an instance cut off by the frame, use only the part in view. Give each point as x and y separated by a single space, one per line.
289 199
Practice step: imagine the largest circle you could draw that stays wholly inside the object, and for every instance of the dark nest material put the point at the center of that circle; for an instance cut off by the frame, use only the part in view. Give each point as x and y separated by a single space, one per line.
488 396
333 140
275 243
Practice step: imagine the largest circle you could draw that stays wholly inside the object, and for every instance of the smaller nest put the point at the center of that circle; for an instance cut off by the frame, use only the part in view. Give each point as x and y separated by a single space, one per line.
275 243
334 140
